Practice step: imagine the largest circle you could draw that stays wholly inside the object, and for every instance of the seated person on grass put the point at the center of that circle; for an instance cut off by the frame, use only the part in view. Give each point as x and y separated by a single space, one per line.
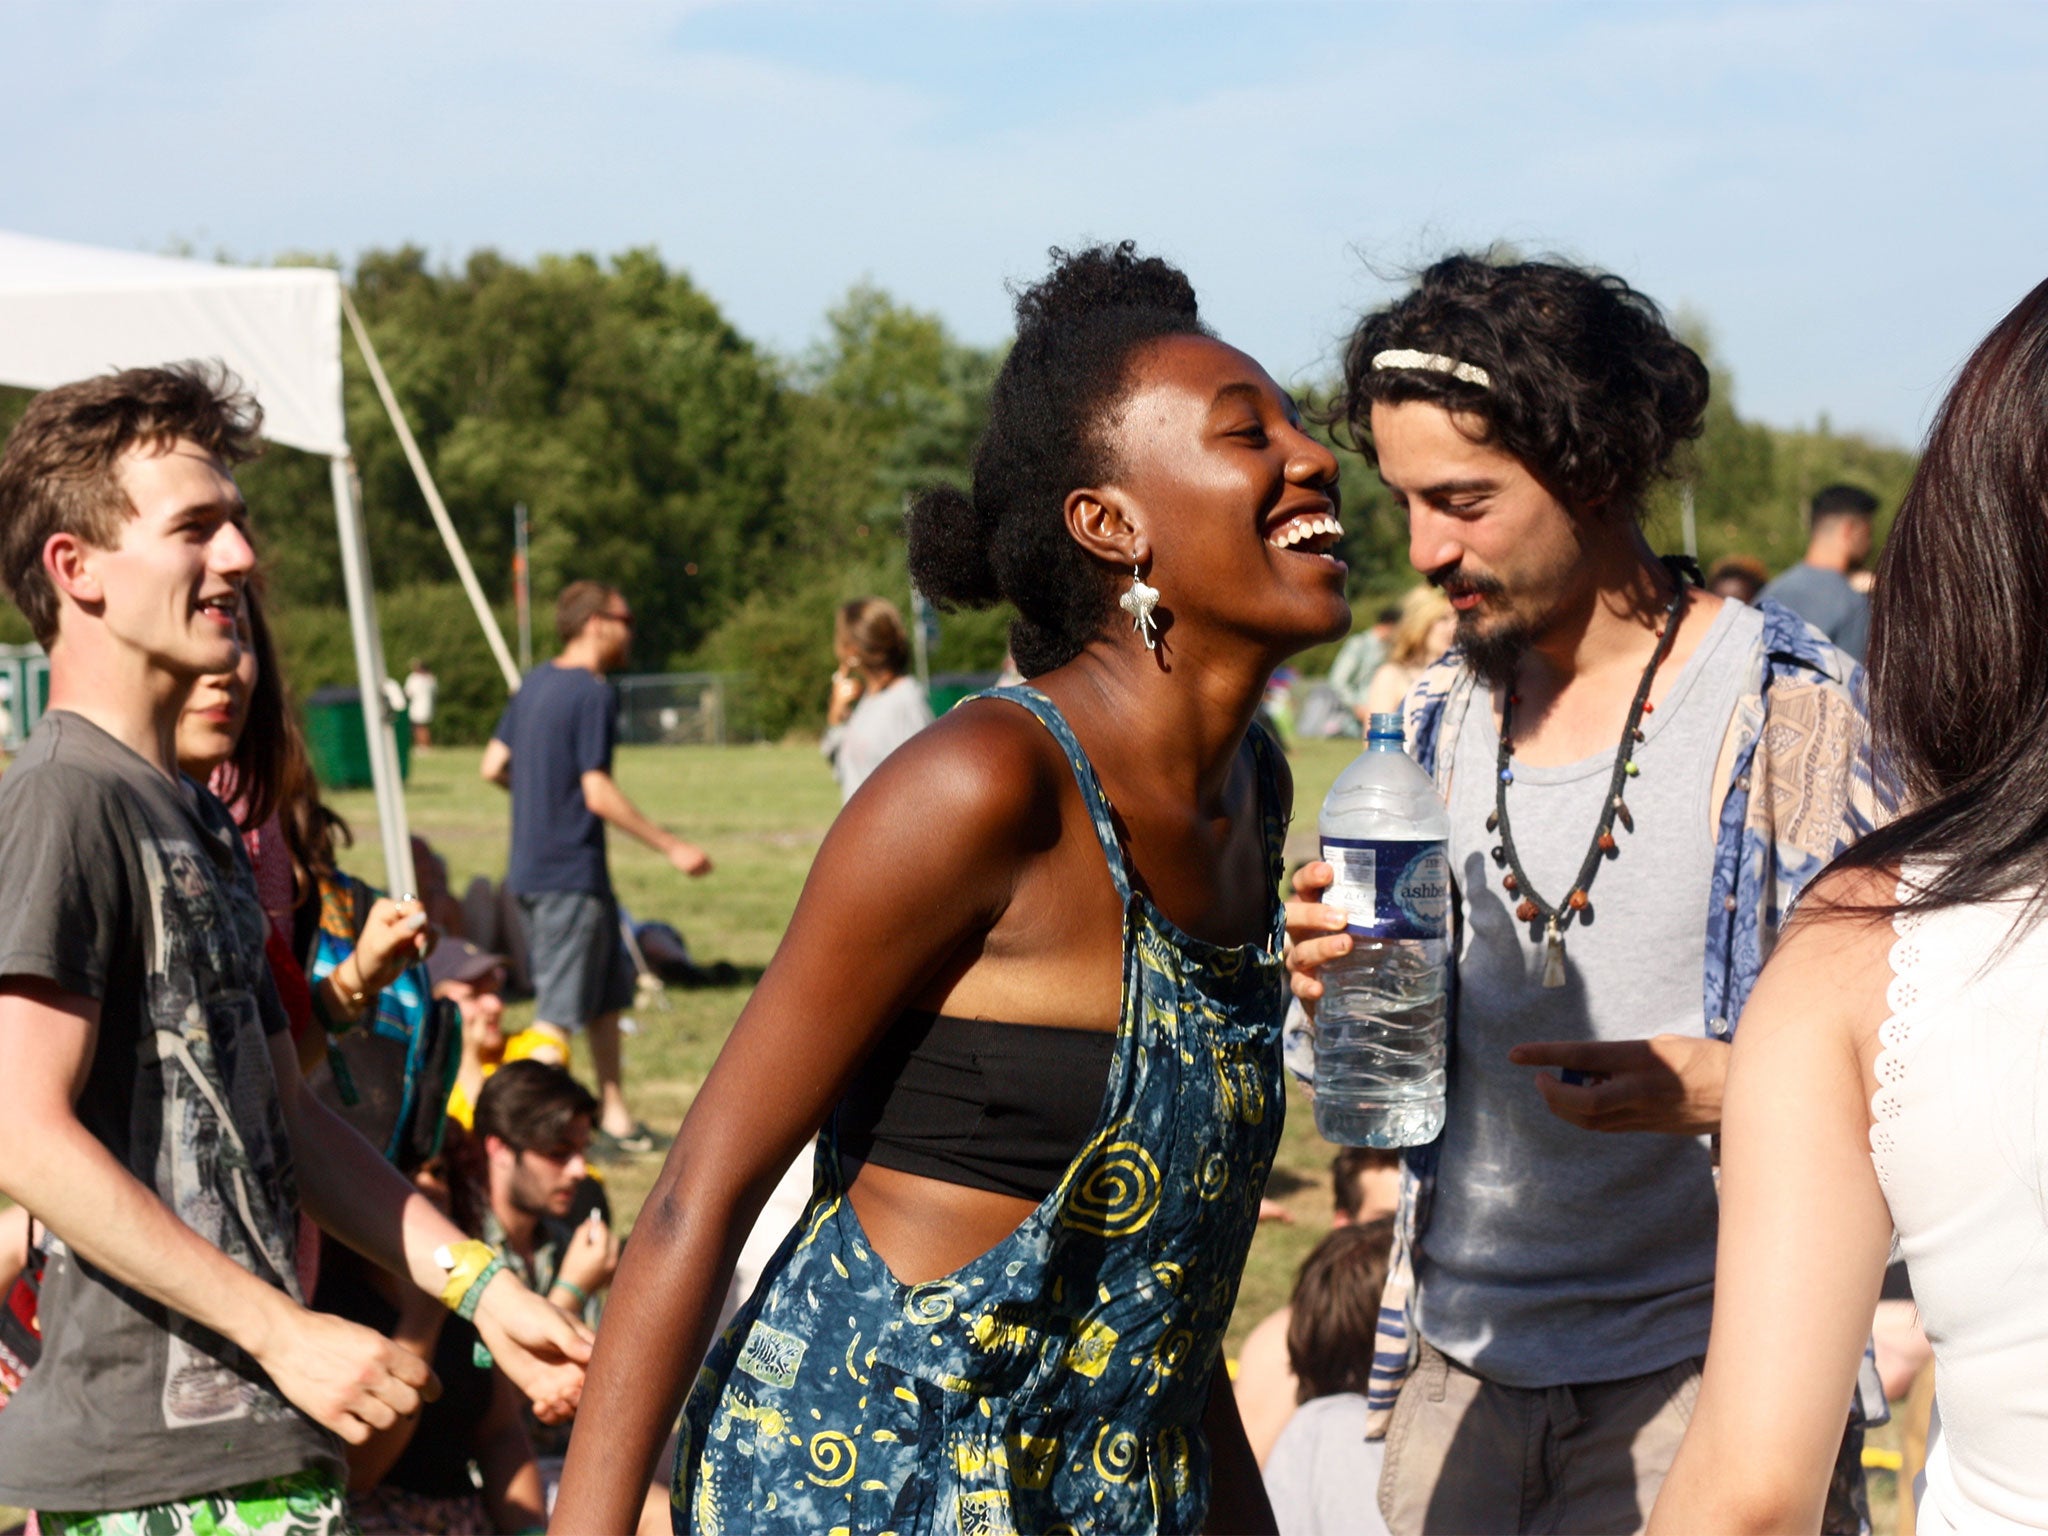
474 980
416 1474
530 1184
1366 1183
1323 1475
529 1188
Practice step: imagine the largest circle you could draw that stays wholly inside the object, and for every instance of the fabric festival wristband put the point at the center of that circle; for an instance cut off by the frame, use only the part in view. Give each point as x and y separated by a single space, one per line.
475 1293
465 1263
582 1296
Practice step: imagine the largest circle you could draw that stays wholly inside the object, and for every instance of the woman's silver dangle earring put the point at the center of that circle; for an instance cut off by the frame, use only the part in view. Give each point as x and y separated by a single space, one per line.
1139 602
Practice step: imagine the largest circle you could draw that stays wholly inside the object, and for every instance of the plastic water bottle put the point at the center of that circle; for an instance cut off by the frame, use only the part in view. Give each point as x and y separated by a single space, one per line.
1380 1043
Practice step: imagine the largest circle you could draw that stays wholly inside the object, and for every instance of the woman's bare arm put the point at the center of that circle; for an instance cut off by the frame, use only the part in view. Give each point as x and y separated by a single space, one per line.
1237 1494
917 867
1804 1233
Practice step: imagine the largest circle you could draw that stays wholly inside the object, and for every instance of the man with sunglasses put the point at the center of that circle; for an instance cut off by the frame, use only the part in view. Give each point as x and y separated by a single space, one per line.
553 750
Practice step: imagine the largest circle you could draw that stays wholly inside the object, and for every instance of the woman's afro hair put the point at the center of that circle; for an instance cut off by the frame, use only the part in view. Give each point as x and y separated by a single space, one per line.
1049 428
1587 385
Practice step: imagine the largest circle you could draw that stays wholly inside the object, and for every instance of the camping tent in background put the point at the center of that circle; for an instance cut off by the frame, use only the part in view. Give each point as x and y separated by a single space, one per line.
70 311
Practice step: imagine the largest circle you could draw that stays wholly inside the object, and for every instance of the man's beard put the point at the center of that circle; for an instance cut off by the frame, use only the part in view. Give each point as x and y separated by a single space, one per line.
1496 652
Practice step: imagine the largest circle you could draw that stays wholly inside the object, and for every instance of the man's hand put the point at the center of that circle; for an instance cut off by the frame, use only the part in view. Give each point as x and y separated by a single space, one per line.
496 766
591 1257
1669 1083
1315 933
541 1348
350 1378
688 857
606 799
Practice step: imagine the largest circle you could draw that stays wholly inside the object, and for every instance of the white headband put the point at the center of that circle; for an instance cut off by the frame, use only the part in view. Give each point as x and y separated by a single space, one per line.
1403 358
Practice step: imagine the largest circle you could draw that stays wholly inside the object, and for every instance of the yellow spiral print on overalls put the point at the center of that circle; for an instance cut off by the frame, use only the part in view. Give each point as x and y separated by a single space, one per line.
1054 1386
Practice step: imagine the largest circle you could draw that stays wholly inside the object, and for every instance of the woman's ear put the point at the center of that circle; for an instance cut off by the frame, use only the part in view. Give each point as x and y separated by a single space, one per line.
1104 524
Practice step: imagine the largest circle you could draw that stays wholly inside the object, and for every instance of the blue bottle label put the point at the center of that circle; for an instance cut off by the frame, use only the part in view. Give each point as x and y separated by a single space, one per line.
1392 888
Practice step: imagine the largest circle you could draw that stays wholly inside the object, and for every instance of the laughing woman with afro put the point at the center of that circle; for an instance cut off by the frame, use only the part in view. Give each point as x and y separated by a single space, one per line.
1031 995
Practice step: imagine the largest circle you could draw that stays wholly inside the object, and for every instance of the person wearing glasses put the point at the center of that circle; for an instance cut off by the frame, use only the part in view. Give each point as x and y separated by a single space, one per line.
553 750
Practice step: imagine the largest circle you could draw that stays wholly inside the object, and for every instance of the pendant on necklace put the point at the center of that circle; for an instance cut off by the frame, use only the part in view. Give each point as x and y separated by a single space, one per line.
1553 956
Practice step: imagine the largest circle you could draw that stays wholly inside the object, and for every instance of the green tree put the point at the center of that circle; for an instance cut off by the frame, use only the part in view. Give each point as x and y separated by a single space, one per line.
888 402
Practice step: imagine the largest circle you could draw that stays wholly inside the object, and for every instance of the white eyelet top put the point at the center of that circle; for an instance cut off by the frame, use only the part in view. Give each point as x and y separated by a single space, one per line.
1959 1138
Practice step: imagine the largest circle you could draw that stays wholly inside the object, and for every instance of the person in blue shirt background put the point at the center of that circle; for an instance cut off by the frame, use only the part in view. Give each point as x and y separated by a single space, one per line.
553 750
1842 529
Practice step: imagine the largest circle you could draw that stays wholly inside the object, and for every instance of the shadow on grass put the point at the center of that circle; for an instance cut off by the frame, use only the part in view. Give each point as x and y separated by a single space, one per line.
1284 1181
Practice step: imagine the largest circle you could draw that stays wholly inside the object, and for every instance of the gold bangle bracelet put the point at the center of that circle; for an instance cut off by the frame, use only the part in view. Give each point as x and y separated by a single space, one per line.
353 997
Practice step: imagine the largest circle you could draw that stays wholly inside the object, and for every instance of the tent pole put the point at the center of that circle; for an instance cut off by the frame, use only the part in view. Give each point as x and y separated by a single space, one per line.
442 521
399 876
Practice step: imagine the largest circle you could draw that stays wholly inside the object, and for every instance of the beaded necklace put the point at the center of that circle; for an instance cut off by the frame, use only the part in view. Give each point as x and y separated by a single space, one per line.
1532 907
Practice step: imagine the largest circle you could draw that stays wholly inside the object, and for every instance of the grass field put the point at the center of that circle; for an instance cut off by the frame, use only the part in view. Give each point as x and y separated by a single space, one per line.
761 812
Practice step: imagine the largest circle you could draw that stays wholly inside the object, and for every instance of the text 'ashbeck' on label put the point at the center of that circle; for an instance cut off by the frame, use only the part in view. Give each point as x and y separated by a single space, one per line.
1392 889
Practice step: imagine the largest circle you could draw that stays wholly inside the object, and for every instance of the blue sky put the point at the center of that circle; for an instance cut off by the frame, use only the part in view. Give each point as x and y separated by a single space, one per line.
1848 194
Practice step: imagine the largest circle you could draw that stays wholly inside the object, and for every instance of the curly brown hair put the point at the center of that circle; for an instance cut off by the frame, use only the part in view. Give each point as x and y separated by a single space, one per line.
60 470
1586 384
1050 417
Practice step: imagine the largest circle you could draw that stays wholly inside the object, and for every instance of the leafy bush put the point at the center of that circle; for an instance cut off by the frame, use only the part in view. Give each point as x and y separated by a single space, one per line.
430 620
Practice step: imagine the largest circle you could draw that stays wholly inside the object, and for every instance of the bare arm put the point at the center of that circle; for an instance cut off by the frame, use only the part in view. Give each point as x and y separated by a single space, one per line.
497 764
1265 1387
908 875
366 1203
513 1491
1672 1083
1237 1497
418 1330
604 797
350 1379
1389 686
1804 1236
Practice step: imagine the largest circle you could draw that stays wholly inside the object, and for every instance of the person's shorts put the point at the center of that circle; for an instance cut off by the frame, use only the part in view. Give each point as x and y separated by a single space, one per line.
581 970
308 1503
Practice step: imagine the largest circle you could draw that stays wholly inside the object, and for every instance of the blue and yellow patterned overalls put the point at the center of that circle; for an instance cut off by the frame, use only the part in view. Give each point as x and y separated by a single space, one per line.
1057 1383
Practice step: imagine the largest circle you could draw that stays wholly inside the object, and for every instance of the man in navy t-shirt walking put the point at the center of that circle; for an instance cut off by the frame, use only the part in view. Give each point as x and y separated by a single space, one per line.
553 750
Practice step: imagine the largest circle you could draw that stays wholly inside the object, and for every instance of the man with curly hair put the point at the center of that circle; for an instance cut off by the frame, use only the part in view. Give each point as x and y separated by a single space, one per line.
1640 777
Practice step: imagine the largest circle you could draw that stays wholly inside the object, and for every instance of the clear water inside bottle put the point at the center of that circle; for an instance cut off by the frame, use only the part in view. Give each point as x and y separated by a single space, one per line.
1380 1040
1380 1045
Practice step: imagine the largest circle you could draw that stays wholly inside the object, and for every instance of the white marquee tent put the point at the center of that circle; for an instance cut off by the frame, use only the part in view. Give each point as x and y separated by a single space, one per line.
70 311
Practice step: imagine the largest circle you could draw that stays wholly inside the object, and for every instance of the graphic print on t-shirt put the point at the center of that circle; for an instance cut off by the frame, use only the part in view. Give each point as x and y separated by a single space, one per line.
206 1045
130 888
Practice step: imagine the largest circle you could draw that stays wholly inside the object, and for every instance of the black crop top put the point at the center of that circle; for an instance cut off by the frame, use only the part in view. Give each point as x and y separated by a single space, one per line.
1001 1107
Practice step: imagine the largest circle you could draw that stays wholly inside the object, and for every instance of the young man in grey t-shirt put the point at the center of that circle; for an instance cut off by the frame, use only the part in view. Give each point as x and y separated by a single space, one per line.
156 1124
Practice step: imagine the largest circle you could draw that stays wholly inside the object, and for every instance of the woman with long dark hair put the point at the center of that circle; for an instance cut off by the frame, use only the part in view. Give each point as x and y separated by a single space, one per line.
1032 995
237 735
1892 1067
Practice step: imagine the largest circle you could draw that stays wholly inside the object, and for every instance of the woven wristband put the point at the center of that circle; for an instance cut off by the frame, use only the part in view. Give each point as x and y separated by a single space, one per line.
465 1263
475 1293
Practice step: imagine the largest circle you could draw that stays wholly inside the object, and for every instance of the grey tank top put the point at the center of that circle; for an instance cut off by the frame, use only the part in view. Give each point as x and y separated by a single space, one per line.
1555 1255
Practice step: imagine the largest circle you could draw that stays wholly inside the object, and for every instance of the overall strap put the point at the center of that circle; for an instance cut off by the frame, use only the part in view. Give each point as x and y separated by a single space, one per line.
1272 817
1092 797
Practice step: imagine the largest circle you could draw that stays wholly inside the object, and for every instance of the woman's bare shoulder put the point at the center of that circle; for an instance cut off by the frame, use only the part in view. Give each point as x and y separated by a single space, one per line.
986 768
1832 965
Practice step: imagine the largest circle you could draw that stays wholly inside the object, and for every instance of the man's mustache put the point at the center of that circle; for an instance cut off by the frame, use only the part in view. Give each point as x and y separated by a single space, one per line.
1455 582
